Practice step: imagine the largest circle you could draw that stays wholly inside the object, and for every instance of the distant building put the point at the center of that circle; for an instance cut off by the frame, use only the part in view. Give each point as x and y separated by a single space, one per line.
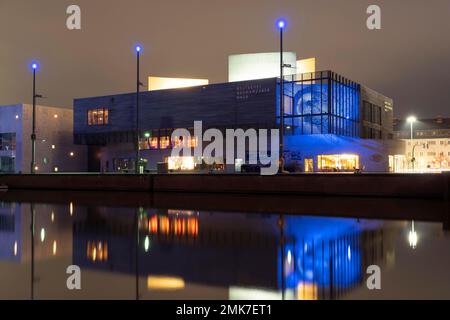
430 146
55 150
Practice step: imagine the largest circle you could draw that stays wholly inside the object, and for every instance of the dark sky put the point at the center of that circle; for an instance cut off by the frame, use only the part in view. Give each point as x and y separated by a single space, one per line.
408 60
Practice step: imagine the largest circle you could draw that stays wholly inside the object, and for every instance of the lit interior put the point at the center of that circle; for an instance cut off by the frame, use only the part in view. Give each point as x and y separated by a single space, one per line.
338 162
161 83
306 65
181 163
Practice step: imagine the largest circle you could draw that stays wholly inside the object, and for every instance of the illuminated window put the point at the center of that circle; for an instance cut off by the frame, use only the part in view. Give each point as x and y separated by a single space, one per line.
338 162
98 117
190 142
309 165
164 142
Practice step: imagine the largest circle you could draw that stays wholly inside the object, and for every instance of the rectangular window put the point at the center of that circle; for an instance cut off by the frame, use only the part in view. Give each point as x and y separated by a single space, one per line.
98 117
164 142
338 162
153 143
7 141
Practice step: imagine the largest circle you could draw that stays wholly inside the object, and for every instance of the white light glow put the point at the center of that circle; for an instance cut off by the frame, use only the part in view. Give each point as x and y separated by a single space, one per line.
146 244
411 119
413 237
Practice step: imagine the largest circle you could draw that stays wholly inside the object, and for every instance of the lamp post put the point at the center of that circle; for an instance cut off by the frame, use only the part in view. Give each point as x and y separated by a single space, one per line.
411 120
281 24
34 67
138 49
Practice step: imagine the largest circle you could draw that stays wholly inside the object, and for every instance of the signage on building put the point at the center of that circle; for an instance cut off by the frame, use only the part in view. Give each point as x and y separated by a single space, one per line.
245 91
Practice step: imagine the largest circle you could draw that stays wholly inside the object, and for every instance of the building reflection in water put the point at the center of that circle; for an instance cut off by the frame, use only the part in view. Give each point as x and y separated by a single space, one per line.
249 255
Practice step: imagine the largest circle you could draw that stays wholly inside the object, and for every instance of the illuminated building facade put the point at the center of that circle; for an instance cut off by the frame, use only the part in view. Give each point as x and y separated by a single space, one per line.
430 146
331 122
55 150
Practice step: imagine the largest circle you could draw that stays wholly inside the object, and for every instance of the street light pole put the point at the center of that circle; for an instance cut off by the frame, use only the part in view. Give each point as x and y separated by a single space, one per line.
34 66
411 121
281 26
138 83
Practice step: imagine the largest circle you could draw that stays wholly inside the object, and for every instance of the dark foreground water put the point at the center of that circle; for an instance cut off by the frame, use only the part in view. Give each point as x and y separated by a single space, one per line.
128 247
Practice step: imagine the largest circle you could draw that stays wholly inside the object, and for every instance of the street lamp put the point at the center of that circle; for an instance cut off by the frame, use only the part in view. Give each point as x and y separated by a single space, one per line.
34 68
411 120
281 24
138 50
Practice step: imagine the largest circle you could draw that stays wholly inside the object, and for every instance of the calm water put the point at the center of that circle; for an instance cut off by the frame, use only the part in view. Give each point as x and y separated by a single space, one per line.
129 247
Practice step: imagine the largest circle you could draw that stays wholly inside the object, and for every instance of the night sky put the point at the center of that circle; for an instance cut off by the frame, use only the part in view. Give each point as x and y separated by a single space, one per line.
408 60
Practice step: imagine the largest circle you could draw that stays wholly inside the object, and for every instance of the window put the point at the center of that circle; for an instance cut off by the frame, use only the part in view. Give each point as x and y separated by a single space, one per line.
153 143
431 154
98 117
309 167
7 141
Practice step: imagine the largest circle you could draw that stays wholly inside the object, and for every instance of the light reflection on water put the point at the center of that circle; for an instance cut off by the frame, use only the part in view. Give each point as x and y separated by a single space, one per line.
151 253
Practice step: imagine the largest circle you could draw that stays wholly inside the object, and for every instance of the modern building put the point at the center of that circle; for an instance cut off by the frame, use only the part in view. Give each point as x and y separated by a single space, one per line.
331 123
55 150
429 144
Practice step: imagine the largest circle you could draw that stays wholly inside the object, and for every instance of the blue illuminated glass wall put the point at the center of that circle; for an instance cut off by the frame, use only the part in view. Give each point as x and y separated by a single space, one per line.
321 103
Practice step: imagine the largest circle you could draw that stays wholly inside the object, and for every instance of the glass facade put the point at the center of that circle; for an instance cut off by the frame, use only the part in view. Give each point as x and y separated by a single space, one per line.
321 103
7 141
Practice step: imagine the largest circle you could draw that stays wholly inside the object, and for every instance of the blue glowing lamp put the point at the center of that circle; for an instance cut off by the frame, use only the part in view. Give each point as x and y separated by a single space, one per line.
281 24
138 48
34 66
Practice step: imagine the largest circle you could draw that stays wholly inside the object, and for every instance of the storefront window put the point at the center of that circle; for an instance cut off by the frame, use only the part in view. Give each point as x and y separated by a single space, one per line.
309 165
338 162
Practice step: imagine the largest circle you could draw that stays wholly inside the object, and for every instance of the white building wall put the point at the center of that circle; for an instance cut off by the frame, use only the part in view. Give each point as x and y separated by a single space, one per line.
54 127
